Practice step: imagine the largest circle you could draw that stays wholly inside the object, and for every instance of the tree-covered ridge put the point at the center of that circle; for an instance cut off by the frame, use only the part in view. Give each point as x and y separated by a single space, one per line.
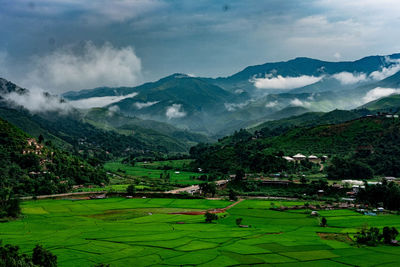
372 141
30 167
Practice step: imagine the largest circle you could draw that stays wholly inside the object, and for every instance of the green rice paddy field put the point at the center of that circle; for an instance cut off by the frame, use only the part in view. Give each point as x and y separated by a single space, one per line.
142 232
150 171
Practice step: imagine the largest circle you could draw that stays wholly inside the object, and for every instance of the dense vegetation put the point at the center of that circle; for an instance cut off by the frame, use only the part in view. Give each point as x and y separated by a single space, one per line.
36 168
10 256
361 145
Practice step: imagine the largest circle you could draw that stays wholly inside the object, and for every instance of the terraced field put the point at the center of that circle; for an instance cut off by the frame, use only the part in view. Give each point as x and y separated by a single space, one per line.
142 232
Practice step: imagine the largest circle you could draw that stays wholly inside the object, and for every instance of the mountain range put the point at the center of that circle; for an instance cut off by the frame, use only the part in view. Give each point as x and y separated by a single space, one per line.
216 107
179 111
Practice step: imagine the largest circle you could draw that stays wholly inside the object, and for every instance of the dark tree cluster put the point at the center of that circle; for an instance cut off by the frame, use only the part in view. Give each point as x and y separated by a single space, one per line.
10 256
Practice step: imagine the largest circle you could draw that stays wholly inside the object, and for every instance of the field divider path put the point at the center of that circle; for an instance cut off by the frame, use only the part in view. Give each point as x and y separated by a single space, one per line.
214 211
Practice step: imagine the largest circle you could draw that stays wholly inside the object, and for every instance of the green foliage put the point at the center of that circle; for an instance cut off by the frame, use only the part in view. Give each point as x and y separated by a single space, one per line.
323 222
208 188
370 237
10 257
38 169
233 195
9 204
342 168
209 217
386 193
389 234
131 190
238 221
43 257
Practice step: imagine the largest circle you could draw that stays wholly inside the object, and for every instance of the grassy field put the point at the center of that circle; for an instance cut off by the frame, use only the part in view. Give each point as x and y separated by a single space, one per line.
141 232
151 171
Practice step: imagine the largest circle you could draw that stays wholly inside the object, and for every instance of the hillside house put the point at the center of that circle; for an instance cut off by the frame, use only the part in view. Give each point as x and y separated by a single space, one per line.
33 147
299 157
313 159
289 159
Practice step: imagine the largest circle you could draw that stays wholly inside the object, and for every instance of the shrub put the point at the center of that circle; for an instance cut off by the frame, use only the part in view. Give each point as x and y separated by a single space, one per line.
43 257
131 190
209 217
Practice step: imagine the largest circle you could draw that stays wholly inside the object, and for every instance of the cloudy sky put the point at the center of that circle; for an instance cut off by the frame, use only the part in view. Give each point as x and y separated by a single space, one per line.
61 45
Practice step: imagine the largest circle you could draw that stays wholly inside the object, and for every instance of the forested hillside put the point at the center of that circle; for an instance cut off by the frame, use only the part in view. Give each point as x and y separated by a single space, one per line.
370 140
30 166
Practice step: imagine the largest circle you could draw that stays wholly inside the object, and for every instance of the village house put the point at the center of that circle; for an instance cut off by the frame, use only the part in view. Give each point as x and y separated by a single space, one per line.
289 159
299 157
33 147
313 159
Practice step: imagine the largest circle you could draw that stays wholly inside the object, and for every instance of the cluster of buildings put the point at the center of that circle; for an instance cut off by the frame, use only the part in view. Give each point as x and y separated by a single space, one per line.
33 147
299 157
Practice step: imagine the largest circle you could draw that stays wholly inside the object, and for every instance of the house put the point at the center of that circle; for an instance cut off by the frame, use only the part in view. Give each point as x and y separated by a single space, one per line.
390 179
299 157
313 159
289 159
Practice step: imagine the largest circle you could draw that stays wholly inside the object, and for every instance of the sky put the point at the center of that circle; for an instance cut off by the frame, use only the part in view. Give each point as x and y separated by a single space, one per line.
63 45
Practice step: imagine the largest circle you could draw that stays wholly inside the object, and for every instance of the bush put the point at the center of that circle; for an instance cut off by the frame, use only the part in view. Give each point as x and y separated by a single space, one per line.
131 190
43 257
209 217
239 221
369 237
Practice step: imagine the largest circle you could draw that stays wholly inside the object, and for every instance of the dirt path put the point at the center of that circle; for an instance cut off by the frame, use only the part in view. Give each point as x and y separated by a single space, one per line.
193 188
215 211
65 195
322 167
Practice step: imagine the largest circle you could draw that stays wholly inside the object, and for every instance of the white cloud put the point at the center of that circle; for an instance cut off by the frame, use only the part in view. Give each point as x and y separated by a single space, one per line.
271 104
298 103
36 101
379 92
65 69
99 101
281 82
350 78
112 110
140 105
385 72
235 106
175 111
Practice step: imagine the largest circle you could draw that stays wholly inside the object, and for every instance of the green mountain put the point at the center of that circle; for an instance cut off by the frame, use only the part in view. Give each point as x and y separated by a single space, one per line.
309 119
371 140
390 103
102 133
303 66
216 107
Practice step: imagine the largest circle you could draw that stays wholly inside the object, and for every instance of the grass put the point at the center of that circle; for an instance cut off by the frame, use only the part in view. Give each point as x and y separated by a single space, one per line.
142 232
152 171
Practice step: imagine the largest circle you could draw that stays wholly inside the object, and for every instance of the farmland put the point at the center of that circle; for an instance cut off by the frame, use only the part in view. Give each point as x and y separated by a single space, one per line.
153 170
142 232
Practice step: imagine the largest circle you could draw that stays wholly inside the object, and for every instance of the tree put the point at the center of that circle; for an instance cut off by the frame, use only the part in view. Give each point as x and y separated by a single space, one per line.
40 139
43 257
303 180
239 221
323 222
232 195
9 205
209 217
369 237
131 190
389 234
208 188
10 257
239 175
